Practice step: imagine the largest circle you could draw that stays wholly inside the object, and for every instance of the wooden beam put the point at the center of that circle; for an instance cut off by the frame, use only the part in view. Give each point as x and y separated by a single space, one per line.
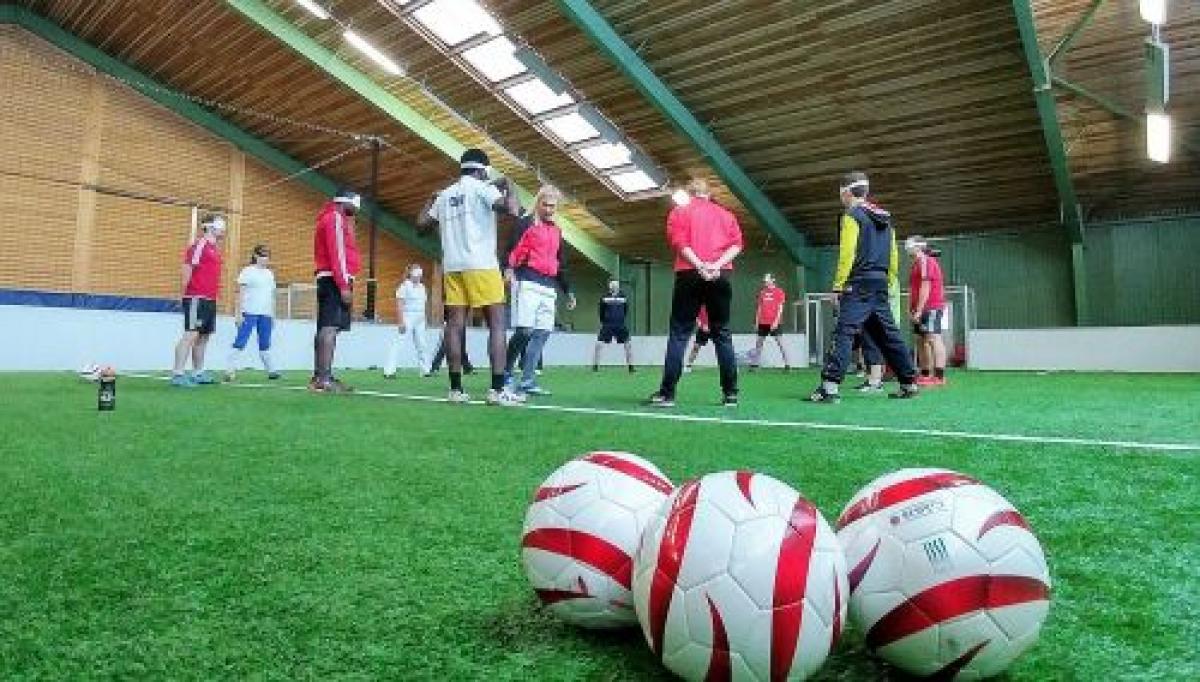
636 71
364 86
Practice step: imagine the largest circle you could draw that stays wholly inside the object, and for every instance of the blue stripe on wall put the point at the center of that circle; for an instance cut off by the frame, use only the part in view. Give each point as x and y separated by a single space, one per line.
55 299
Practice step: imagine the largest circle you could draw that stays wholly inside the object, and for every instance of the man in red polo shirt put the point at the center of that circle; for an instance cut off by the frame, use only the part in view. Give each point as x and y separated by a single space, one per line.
201 283
769 316
336 261
706 238
927 308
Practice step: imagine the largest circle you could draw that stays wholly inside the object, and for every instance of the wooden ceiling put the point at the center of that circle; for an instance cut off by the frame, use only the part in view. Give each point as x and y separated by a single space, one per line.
932 98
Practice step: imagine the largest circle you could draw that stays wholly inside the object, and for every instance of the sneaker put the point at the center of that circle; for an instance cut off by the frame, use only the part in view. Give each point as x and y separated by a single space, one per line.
389 376
687 369
274 376
660 400
925 380
230 376
822 396
427 374
906 391
204 378
504 398
729 400
317 386
753 367
458 397
868 387
182 381
537 372
939 381
532 389
469 370
632 369
336 386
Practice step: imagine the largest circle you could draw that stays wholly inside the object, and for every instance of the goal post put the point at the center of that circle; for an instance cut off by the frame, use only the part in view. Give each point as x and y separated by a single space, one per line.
818 317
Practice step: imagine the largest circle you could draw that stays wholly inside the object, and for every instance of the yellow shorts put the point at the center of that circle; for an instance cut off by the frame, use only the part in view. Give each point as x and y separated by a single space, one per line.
473 288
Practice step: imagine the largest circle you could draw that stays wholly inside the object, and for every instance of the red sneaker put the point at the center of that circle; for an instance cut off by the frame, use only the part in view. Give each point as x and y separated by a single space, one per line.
926 381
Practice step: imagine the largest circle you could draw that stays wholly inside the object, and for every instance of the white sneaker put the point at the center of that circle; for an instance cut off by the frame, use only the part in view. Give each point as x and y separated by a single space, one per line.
687 369
505 398
231 376
459 397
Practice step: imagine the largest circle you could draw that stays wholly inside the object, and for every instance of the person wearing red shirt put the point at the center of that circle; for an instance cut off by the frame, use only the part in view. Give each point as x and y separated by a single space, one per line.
536 266
336 264
201 283
706 238
927 308
703 336
769 315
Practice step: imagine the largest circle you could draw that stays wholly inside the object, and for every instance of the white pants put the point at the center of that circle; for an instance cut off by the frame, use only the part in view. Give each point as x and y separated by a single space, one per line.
533 306
416 331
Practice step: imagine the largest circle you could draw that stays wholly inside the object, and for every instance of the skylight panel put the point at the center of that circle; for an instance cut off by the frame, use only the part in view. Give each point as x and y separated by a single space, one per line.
536 98
607 155
495 59
634 181
571 128
454 21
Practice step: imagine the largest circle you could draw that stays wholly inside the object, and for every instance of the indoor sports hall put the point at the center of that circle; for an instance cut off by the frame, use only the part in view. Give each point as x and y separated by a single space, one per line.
600 340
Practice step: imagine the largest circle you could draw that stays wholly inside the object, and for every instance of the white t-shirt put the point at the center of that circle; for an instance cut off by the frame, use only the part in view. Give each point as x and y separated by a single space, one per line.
468 225
412 298
258 291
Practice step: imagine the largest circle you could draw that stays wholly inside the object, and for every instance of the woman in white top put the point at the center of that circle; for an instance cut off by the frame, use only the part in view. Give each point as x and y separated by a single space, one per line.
410 319
256 310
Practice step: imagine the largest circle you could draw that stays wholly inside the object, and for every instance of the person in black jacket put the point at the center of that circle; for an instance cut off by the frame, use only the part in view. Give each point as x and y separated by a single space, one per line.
613 309
868 261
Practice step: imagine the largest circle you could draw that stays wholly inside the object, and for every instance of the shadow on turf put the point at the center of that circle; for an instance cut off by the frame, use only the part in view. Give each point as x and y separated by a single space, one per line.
527 627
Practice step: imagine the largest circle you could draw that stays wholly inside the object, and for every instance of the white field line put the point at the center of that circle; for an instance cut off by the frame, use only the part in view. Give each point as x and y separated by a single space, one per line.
774 423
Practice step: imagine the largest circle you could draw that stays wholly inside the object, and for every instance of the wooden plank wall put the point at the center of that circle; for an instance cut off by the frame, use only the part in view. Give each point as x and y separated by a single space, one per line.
68 130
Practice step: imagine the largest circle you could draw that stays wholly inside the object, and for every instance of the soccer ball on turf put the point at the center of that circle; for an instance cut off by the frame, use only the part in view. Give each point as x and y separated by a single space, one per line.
581 533
739 577
946 576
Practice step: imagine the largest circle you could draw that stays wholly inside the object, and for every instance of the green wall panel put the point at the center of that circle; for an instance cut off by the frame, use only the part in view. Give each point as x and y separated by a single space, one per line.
1144 272
1140 272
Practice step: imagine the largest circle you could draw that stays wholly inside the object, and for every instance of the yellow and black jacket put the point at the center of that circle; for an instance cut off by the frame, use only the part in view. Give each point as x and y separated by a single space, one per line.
867 249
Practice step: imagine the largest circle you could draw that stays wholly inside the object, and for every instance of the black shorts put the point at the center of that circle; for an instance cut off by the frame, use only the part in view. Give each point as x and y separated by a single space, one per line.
331 311
199 315
703 337
931 322
765 330
609 334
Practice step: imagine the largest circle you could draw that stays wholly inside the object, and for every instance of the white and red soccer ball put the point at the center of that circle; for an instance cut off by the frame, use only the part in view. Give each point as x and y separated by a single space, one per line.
740 578
581 533
946 576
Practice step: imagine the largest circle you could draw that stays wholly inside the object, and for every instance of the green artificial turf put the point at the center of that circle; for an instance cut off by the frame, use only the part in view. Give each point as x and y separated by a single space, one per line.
222 532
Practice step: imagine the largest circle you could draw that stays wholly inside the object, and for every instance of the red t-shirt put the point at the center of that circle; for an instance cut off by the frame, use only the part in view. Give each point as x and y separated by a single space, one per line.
538 248
205 260
926 269
707 227
702 318
770 302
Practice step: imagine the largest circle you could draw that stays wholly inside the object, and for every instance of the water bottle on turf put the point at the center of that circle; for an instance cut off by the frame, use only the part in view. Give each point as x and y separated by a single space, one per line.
107 398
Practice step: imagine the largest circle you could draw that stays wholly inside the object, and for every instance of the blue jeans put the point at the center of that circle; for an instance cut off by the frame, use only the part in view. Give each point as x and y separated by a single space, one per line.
261 324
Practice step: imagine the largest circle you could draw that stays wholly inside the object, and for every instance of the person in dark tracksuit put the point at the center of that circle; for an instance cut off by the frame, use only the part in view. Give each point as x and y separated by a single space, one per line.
867 261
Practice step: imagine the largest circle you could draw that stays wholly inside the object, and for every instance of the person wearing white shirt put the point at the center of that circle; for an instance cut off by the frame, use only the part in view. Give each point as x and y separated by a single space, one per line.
255 312
411 298
465 214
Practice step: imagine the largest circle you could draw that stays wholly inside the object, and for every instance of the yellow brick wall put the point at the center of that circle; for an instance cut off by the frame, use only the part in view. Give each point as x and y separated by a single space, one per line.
97 185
